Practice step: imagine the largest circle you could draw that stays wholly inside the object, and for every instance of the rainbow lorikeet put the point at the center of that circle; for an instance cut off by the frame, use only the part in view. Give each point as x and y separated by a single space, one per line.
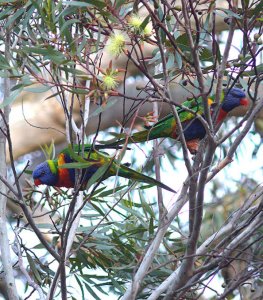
193 129
60 172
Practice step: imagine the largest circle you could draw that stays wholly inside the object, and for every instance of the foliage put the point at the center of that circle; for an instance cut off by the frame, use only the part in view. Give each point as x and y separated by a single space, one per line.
126 243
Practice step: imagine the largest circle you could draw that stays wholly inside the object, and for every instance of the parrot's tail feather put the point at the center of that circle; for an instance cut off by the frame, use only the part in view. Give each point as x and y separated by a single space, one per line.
126 172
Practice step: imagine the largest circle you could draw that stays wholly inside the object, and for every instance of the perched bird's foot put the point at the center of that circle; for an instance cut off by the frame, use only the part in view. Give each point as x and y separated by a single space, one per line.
149 118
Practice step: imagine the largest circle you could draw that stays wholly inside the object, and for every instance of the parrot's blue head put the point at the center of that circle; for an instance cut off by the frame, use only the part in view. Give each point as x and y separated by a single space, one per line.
45 173
233 98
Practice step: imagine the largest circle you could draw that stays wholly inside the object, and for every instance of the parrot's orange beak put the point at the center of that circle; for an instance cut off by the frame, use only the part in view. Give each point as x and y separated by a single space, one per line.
244 102
37 182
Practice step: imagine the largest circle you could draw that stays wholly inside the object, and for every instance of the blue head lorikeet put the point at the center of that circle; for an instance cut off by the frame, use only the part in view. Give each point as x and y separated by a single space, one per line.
232 98
194 131
52 172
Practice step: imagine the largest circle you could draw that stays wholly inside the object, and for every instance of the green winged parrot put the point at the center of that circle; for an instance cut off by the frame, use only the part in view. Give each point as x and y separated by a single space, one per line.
61 172
193 128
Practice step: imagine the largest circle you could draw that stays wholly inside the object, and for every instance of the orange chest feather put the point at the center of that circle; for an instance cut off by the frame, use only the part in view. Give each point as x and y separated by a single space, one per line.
64 178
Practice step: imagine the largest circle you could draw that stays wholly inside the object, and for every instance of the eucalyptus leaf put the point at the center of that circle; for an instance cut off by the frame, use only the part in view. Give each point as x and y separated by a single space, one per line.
90 290
33 268
67 24
103 108
98 174
178 59
81 286
223 12
9 100
4 63
96 3
75 165
145 22
170 61
15 16
38 89
5 13
111 191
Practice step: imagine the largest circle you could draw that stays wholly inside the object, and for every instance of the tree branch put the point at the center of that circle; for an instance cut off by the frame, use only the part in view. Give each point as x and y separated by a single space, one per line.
4 241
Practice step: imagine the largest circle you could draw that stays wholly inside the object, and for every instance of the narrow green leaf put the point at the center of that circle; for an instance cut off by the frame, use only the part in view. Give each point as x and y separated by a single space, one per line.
128 203
206 55
98 191
67 24
178 60
96 3
148 208
69 11
28 16
49 150
117 285
90 290
132 212
4 63
6 12
81 287
79 91
170 61
100 289
98 174
80 48
37 50
53 95
223 12
205 30
75 165
103 108
15 16
33 268
17 87
39 246
145 23
98 209
76 3
160 12
111 191
11 98
45 225
73 71
49 53
38 89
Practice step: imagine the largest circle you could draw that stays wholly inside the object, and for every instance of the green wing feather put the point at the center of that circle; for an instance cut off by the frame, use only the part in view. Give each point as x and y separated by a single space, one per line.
184 115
